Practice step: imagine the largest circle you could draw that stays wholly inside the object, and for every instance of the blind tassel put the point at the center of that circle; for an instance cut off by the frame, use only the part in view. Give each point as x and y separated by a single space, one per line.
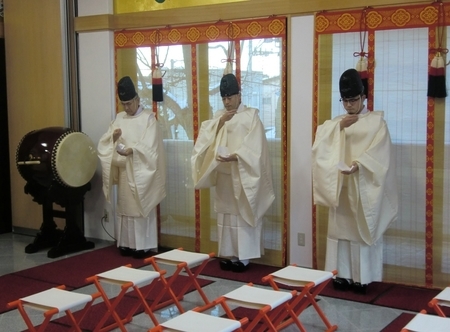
436 78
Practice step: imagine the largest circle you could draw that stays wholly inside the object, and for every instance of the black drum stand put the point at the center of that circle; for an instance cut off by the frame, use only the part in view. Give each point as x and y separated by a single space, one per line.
60 242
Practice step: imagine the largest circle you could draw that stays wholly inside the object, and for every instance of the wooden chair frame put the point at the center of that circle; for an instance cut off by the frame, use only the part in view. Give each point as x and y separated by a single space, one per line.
184 261
308 288
51 307
119 277
441 299
267 313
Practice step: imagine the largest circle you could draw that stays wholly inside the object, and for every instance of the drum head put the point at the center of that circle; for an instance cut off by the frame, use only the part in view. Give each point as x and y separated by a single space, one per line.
75 159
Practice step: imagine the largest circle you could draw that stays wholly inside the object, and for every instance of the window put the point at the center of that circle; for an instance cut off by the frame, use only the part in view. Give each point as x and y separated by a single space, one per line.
400 45
193 60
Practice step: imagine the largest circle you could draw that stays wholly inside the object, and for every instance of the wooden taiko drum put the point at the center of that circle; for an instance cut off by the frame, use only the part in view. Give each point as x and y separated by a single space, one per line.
57 154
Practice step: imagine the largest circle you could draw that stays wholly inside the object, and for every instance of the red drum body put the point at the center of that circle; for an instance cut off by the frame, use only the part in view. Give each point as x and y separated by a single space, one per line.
56 154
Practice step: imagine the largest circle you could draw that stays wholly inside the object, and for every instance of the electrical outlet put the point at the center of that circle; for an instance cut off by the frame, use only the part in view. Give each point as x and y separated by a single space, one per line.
105 215
301 239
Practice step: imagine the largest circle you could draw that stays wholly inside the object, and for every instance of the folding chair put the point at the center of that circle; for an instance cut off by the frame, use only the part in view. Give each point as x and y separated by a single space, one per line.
54 301
127 278
268 303
426 323
440 300
194 321
184 261
309 283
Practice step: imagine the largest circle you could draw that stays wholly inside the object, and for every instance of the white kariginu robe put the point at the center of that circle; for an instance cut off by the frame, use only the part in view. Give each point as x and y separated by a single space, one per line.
243 188
140 177
361 205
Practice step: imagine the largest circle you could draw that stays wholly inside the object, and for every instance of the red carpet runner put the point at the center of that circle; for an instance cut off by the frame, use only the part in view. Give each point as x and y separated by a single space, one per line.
379 293
73 271
70 272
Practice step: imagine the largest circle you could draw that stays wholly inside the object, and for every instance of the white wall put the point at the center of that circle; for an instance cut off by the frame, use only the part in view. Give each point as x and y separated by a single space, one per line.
300 93
97 86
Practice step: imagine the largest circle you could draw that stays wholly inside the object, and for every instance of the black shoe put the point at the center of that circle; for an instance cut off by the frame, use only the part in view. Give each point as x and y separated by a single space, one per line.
140 254
359 288
124 251
225 264
239 267
341 284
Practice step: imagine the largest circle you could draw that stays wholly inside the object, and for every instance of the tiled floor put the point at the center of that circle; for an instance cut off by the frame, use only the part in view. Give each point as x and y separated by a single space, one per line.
349 316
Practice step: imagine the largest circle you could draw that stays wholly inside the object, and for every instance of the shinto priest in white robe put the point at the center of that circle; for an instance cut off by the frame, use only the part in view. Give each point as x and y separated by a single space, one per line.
140 177
361 205
243 188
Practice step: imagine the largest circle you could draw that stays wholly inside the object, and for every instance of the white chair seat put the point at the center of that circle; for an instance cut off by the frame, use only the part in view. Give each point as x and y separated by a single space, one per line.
444 297
272 306
54 301
129 274
426 323
177 256
56 298
255 297
299 276
192 321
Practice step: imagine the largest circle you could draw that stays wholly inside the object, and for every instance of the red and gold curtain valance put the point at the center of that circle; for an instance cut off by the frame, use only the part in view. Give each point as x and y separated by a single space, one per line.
378 19
220 31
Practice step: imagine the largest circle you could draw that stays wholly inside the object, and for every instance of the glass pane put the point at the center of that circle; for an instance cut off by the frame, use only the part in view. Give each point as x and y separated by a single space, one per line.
175 117
217 57
344 45
177 210
400 84
400 90
261 86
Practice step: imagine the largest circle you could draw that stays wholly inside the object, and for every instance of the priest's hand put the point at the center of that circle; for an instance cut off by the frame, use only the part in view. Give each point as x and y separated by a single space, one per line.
353 169
116 134
348 120
231 157
227 116
126 152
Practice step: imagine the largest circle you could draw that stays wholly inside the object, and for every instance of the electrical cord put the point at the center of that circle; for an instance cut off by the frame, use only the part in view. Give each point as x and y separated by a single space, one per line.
103 225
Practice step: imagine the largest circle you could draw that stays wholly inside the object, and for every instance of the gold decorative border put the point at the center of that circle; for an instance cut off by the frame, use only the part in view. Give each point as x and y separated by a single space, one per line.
220 31
377 19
